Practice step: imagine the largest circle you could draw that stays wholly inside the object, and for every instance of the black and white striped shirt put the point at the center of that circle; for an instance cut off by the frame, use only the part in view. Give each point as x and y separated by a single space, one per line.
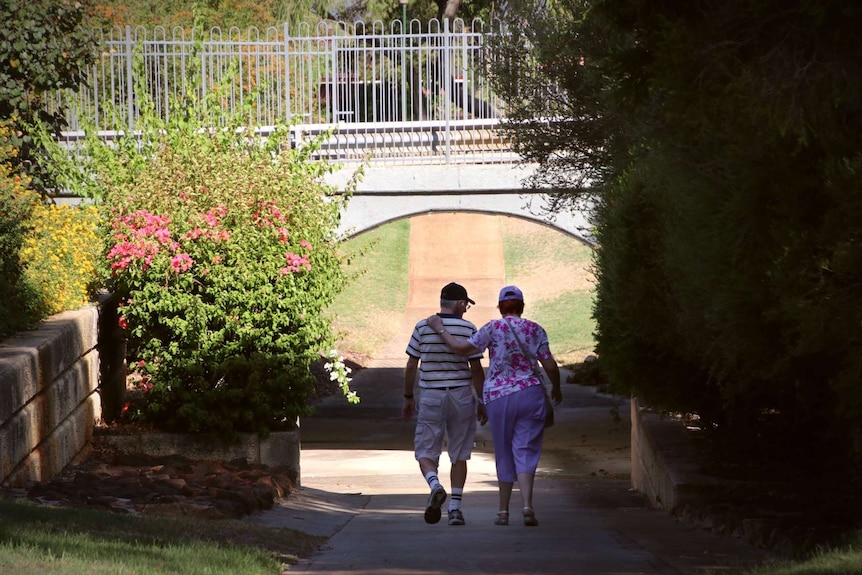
439 367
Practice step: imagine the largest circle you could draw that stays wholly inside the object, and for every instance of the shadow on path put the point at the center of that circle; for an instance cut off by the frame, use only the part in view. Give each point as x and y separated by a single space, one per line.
362 487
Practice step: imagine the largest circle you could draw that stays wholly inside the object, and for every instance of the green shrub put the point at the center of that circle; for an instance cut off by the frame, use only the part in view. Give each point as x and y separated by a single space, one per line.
224 258
19 305
221 246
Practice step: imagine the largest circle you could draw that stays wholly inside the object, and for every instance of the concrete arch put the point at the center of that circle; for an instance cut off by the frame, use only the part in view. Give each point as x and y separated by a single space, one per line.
390 193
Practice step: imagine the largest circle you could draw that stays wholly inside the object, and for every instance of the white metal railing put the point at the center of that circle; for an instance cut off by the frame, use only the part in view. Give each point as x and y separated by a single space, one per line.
414 95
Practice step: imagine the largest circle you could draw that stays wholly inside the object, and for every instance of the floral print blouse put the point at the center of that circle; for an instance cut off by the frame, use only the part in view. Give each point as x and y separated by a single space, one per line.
509 371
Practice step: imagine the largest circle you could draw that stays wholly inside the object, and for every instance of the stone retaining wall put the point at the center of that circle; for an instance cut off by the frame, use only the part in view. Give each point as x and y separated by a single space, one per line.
58 382
50 396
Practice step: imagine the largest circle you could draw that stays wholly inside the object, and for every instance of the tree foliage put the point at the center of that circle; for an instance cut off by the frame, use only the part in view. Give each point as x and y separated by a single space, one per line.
44 46
263 13
719 144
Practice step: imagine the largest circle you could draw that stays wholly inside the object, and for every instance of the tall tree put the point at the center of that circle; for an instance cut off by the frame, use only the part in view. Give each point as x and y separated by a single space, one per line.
44 45
719 144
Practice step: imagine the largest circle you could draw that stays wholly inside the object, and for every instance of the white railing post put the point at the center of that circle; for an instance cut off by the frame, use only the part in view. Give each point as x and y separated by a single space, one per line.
130 81
287 113
333 77
202 56
404 68
449 85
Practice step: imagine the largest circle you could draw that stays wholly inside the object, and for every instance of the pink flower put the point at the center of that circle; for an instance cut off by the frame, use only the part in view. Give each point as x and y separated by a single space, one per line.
194 234
181 263
122 322
295 263
306 245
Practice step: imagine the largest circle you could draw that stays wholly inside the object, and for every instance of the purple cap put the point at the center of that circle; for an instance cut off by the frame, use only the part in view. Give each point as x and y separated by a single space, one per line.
511 293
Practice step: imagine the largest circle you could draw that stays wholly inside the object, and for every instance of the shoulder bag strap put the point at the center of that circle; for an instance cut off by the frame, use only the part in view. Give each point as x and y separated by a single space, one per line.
534 364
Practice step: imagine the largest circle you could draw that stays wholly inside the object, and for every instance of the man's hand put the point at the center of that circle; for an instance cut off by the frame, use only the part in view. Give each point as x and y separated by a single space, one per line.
408 408
481 415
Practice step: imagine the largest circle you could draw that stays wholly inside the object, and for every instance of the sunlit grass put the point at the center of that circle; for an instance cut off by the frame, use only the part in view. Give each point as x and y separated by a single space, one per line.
40 540
368 312
847 561
569 325
551 267
553 270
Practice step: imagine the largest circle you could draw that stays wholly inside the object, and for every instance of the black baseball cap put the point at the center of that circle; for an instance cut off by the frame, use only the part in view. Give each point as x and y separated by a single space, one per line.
455 292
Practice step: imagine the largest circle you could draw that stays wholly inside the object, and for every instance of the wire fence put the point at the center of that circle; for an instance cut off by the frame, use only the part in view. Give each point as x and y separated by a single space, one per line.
404 94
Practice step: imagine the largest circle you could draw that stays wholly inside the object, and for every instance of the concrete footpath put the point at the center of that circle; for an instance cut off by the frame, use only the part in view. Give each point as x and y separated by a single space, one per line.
362 487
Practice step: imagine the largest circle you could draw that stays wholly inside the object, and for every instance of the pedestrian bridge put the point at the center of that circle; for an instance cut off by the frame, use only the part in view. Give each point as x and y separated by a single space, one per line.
388 193
409 99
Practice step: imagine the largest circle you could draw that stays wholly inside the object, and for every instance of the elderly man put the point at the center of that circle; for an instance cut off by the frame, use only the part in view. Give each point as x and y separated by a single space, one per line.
448 408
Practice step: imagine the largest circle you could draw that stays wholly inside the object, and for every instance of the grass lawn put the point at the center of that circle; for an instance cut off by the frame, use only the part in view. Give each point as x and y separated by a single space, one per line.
37 540
553 270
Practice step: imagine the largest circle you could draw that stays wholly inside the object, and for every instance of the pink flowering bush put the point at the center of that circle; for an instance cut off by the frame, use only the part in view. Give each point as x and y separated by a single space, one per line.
222 251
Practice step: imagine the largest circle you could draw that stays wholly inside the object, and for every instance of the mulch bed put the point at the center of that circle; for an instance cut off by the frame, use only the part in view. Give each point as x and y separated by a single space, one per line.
172 485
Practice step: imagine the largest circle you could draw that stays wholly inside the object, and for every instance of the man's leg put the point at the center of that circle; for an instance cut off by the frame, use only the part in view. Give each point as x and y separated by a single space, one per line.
461 431
458 477
438 494
428 468
428 443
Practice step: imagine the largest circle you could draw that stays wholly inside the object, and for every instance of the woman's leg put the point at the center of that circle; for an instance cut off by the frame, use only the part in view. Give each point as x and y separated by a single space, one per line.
527 444
525 486
502 430
527 407
505 494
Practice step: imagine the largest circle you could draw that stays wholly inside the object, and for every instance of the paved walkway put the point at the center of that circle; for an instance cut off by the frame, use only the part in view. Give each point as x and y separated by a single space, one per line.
362 487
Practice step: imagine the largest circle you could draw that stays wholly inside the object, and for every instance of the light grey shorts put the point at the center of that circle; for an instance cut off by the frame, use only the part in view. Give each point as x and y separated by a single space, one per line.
445 414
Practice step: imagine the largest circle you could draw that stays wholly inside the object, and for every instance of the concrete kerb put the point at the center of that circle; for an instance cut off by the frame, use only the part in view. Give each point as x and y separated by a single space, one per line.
664 461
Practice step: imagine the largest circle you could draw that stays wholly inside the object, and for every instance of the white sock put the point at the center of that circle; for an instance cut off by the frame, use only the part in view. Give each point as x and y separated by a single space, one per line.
433 481
455 498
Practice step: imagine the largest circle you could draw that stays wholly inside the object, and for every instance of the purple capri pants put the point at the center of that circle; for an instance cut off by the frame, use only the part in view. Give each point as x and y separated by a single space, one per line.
517 426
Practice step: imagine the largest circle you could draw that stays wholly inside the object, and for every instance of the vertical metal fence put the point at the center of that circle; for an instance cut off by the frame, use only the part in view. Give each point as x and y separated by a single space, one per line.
403 95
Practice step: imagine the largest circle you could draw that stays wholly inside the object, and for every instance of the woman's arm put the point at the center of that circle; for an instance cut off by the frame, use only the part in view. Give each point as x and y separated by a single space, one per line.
553 372
459 346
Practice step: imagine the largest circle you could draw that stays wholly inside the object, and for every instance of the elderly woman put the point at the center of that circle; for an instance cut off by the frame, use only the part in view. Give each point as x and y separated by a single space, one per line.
514 396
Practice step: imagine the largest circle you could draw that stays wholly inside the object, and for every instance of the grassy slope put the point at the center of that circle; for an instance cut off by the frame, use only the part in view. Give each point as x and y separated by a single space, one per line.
551 267
367 313
553 271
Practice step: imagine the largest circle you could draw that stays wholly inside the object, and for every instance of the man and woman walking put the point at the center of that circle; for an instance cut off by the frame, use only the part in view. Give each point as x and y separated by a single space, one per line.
456 393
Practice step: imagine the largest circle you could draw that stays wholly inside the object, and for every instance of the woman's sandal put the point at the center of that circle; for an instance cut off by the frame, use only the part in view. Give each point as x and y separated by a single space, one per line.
530 517
502 518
